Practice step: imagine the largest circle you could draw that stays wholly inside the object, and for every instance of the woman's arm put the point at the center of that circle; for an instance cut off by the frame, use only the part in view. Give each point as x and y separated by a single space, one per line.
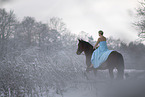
96 43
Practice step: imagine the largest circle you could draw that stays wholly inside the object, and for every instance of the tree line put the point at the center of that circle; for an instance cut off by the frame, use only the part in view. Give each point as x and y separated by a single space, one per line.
26 51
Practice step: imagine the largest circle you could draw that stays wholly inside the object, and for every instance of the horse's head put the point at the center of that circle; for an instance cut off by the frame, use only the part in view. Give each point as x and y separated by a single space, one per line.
84 46
88 50
80 47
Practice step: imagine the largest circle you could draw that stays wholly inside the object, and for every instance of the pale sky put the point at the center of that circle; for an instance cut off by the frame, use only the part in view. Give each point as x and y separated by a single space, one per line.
114 17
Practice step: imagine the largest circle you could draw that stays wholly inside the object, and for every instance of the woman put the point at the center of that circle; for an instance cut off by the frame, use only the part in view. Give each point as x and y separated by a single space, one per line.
101 54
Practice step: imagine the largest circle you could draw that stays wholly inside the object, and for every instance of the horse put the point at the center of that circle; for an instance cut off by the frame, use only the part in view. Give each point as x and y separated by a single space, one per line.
114 61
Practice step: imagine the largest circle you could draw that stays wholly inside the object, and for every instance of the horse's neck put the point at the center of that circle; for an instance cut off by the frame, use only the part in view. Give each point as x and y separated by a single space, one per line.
88 52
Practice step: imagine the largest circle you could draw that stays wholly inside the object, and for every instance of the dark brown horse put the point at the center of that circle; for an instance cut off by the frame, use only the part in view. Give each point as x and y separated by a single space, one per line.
115 59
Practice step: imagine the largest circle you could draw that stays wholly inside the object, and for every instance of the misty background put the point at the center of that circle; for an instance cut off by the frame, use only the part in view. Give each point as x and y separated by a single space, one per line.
38 55
114 17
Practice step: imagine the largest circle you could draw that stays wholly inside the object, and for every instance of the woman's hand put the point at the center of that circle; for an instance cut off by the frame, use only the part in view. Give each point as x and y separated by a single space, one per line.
94 47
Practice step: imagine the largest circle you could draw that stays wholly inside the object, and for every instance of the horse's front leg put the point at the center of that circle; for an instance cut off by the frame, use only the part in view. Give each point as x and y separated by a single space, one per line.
85 74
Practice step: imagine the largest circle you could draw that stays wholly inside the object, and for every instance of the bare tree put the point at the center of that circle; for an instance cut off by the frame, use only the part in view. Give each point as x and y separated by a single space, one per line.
42 33
57 24
29 29
141 21
7 23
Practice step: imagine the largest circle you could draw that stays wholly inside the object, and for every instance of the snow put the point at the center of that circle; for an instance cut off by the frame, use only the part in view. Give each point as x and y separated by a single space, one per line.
80 93
97 87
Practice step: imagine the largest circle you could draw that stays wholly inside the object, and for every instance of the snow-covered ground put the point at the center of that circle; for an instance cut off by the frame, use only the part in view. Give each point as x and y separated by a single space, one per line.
81 92
97 87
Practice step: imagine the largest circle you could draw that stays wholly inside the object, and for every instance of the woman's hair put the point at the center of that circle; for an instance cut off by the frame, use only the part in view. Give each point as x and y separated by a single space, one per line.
101 32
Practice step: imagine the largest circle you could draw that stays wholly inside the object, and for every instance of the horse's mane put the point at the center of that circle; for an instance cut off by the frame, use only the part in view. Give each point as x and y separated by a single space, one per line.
87 43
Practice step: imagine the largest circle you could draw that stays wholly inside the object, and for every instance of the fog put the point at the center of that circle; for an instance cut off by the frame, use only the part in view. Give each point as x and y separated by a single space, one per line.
2 2
39 60
114 17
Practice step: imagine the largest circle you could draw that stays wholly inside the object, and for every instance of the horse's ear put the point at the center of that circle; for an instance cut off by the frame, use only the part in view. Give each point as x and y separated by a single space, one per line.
82 40
79 40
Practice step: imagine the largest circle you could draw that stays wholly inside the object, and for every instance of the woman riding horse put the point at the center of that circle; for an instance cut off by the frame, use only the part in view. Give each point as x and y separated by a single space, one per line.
101 54
101 58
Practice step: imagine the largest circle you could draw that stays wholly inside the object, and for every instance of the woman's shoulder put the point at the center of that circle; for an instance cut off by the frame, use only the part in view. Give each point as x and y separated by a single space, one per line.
105 38
102 38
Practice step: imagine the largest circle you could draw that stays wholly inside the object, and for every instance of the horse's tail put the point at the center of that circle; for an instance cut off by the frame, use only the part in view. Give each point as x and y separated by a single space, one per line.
120 67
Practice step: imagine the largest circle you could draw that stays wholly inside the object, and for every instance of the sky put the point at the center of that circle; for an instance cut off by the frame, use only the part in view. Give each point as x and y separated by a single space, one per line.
114 17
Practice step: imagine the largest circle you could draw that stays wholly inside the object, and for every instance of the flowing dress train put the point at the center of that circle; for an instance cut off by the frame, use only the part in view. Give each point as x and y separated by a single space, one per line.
100 55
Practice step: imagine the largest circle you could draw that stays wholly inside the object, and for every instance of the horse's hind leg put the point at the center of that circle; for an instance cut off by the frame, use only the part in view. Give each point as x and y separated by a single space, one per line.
120 73
95 71
111 73
120 69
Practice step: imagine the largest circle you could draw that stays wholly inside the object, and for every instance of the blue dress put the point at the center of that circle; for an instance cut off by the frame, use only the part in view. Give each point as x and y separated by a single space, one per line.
100 55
